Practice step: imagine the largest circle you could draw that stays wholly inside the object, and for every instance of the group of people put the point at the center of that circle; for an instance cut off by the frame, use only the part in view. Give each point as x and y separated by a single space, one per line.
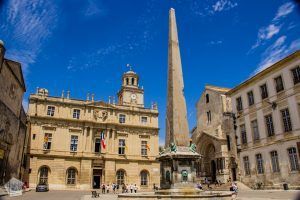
107 188
129 188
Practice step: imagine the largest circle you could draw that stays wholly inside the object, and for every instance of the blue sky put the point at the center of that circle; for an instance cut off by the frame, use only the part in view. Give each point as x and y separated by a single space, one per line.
84 46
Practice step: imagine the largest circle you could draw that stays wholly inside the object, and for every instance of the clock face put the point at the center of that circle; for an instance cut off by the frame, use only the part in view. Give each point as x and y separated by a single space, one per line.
133 96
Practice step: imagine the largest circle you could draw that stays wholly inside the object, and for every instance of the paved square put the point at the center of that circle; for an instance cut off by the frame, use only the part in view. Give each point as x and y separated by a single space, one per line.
86 195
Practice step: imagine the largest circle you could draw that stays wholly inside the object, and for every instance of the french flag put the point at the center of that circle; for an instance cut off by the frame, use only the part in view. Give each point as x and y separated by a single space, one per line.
103 144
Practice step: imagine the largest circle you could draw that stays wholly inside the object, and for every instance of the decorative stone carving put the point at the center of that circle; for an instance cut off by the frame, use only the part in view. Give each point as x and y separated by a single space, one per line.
100 115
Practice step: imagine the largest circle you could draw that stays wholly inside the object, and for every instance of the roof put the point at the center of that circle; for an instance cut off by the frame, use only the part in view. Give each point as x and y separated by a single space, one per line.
16 69
264 72
216 88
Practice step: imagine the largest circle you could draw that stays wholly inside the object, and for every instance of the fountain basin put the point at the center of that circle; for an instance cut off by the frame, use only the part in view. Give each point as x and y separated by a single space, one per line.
176 194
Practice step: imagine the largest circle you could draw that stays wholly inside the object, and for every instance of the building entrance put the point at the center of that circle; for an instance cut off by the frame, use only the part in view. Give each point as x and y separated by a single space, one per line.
97 173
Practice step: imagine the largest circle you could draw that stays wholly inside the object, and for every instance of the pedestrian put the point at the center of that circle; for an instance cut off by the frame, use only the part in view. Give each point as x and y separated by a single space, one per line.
135 188
114 187
154 187
131 188
235 190
107 188
103 188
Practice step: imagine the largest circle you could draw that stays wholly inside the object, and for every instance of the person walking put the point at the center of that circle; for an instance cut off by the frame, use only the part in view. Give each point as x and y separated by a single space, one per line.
103 188
131 188
135 188
107 188
235 190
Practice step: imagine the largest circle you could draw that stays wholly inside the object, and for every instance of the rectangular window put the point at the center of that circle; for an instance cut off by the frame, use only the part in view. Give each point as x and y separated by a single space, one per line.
296 75
144 120
122 118
74 143
246 165
264 91
259 164
255 131
50 111
274 160
243 134
279 84
286 120
269 125
47 141
97 145
76 113
250 98
293 159
239 104
121 146
144 148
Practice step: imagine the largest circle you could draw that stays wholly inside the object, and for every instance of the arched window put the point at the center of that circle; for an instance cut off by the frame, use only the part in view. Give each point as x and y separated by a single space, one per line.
127 81
207 98
71 176
144 177
132 81
120 177
44 174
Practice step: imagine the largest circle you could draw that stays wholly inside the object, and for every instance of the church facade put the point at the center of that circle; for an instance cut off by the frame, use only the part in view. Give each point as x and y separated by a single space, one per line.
84 143
213 136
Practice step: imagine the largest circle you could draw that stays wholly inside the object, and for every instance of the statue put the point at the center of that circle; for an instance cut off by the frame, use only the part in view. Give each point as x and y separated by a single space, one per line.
193 148
173 147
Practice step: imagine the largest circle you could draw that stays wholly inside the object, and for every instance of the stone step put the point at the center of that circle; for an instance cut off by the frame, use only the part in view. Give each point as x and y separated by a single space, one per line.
3 191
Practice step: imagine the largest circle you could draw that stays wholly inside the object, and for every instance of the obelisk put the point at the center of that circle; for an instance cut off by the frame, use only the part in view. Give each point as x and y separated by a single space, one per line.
177 130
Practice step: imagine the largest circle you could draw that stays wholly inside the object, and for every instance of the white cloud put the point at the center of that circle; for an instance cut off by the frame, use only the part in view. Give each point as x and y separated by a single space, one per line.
284 10
216 42
29 24
222 5
95 7
277 51
25 105
267 32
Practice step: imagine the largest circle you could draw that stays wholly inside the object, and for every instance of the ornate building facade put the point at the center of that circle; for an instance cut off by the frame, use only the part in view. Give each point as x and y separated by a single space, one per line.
68 136
12 118
267 107
213 136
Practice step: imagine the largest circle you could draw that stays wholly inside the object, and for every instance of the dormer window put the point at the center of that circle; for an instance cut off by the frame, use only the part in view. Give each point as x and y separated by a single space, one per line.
122 118
50 111
207 98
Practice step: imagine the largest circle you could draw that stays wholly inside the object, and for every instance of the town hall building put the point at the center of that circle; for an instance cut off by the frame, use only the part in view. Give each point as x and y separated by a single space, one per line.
84 143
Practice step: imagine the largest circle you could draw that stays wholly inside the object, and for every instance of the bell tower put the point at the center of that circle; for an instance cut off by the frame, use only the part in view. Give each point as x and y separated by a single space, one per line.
130 93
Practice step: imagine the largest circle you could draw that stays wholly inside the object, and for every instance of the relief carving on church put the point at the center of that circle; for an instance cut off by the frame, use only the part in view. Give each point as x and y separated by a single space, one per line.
100 115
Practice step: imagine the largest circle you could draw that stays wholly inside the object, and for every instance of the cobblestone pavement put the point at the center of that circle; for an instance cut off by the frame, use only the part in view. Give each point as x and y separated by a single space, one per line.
86 195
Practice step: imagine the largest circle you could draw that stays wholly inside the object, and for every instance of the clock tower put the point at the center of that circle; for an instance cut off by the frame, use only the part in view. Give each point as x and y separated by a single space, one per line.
131 94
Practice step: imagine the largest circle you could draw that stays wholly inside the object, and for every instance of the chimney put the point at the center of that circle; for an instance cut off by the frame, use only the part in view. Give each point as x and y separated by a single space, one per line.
93 95
2 53
109 99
